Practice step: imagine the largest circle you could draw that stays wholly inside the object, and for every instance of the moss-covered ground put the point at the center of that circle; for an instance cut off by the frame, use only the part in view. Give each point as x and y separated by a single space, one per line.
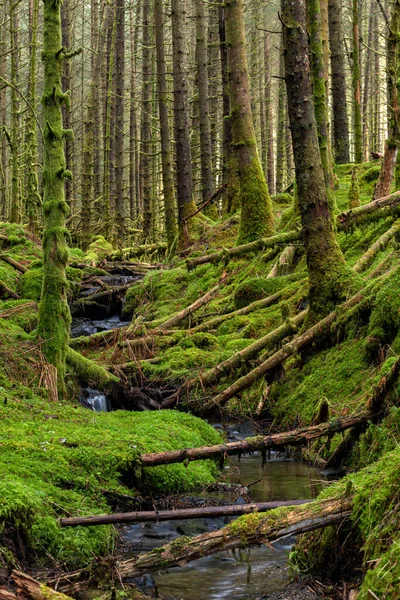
57 457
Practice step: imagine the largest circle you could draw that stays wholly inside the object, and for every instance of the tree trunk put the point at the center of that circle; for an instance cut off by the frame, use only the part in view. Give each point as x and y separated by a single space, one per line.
381 206
119 120
207 187
66 31
356 80
256 209
33 199
269 166
318 79
339 107
327 269
392 68
54 314
3 115
145 129
186 204
166 157
15 199
280 134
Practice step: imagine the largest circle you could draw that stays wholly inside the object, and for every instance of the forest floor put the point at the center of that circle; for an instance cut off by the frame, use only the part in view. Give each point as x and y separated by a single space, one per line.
59 459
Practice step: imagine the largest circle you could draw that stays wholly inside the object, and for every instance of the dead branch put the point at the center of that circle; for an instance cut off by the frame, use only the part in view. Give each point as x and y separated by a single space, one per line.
354 215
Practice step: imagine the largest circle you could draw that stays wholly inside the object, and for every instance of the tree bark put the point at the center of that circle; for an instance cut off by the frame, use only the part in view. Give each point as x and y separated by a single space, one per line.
54 313
181 122
373 210
386 174
327 269
356 81
260 244
256 218
145 130
247 532
339 106
119 121
207 512
30 589
171 228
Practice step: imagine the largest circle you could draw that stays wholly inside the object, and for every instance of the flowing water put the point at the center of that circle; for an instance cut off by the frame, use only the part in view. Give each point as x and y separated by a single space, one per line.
249 575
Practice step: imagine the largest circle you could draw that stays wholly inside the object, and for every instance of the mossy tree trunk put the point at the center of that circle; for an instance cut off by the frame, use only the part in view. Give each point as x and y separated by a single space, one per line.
339 106
66 32
207 182
393 84
280 141
54 314
256 209
318 79
230 177
3 114
327 270
15 200
166 156
356 80
145 129
270 174
119 233
33 199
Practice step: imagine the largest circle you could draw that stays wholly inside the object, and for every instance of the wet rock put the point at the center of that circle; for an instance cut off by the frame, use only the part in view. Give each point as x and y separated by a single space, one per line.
81 327
146 584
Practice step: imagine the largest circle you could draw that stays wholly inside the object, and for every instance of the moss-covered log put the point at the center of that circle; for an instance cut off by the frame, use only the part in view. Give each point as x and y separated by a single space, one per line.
88 371
54 314
281 239
247 531
380 244
261 442
267 341
279 357
376 209
203 512
28 588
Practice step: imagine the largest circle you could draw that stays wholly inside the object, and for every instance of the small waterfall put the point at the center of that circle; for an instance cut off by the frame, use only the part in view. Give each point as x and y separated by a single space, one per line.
95 400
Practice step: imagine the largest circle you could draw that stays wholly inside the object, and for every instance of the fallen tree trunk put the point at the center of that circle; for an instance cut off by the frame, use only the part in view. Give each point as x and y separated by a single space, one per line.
30 589
380 244
261 244
13 263
206 512
4 290
283 263
260 442
213 375
276 359
186 312
348 218
253 530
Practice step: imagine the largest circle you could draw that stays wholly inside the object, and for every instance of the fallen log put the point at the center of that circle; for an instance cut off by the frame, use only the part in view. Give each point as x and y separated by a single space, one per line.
251 530
30 589
285 352
186 312
283 263
215 322
380 244
13 263
260 442
6 291
213 375
380 206
261 244
207 512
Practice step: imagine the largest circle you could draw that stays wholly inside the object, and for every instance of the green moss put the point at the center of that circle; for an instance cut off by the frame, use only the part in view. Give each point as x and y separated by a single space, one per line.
282 198
371 174
384 323
32 281
256 288
99 249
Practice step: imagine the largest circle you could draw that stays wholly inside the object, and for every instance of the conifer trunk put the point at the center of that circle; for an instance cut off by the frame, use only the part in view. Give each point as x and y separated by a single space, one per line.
339 107
318 78
3 116
256 210
280 135
327 271
119 121
54 314
33 199
203 95
393 73
15 200
356 80
145 129
166 157
184 190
